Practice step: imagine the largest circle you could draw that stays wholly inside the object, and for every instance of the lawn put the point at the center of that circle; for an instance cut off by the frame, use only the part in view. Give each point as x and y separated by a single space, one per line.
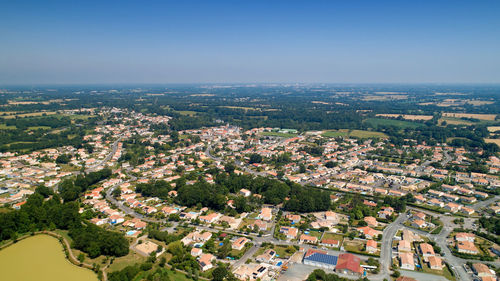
376 122
280 250
178 276
354 246
122 262
316 234
445 272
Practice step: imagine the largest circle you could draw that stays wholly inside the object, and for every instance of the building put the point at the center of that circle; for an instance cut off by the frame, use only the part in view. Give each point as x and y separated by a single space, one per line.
406 261
349 264
205 261
239 243
197 238
467 247
290 232
426 250
482 270
435 263
245 192
293 218
320 259
304 238
266 214
371 221
330 243
196 252
464 236
369 232
418 223
404 246
267 256
371 246
250 271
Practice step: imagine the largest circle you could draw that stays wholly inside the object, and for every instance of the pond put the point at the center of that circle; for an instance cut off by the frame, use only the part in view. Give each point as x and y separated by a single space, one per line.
40 258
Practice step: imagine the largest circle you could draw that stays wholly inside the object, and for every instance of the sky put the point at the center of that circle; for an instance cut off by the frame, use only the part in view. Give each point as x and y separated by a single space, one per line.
252 41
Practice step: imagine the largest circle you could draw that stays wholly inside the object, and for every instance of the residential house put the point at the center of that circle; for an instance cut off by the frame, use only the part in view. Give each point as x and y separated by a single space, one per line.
467 248
426 250
205 261
308 239
290 232
371 246
239 243
330 243
406 261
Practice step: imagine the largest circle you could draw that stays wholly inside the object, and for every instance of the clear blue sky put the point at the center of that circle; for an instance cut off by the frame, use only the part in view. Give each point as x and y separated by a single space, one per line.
249 41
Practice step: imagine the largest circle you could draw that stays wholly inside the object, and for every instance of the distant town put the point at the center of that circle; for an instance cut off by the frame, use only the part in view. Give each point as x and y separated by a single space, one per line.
133 194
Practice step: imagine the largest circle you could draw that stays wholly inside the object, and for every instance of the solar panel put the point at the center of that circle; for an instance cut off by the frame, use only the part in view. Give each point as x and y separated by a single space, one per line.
322 258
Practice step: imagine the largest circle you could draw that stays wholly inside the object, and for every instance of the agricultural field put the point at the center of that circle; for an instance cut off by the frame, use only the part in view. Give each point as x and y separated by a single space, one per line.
496 141
278 134
454 121
407 116
187 112
353 133
376 122
487 117
32 114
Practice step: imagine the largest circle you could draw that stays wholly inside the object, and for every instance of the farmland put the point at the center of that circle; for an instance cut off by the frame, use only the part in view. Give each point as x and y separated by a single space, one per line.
377 122
353 133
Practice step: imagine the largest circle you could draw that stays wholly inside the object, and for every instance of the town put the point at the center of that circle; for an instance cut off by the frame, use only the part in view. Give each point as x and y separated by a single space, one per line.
267 203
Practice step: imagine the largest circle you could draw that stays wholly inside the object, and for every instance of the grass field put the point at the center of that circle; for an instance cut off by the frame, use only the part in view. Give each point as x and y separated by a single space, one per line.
32 114
407 116
278 134
487 117
353 133
454 121
122 262
5 127
242 107
445 272
33 128
391 122
187 112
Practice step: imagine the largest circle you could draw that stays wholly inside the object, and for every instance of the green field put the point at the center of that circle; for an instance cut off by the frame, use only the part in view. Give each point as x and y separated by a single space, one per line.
5 127
40 258
278 134
353 133
187 112
33 128
376 122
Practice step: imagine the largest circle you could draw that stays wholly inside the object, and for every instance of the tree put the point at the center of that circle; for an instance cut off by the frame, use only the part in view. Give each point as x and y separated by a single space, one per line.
219 273
63 159
255 158
229 168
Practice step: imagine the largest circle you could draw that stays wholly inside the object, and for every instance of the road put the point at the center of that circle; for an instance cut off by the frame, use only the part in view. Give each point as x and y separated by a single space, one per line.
386 248
108 157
